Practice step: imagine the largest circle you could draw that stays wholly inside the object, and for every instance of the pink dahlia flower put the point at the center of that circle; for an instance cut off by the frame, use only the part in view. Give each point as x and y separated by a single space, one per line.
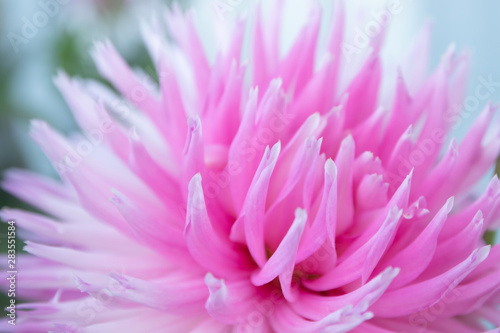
280 195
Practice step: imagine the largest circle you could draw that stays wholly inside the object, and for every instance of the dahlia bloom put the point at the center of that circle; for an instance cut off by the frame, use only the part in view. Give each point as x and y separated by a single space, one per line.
278 194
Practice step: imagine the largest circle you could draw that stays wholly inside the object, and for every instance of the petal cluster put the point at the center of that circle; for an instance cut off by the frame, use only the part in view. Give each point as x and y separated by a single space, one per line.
261 191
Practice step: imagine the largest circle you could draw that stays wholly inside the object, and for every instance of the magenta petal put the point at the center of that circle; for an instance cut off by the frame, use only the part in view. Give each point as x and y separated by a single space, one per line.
112 66
415 297
282 262
182 184
251 221
315 307
206 245
362 262
343 320
344 162
322 228
230 303
146 225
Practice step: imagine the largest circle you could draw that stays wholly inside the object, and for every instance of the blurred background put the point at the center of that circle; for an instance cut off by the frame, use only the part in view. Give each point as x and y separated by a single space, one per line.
30 54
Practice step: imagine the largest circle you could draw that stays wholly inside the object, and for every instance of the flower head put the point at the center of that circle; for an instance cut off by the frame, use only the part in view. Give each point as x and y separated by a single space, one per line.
278 194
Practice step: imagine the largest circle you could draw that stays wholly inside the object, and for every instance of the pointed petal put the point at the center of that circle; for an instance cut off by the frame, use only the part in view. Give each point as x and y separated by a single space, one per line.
230 303
207 246
361 263
282 262
407 300
414 259
251 223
